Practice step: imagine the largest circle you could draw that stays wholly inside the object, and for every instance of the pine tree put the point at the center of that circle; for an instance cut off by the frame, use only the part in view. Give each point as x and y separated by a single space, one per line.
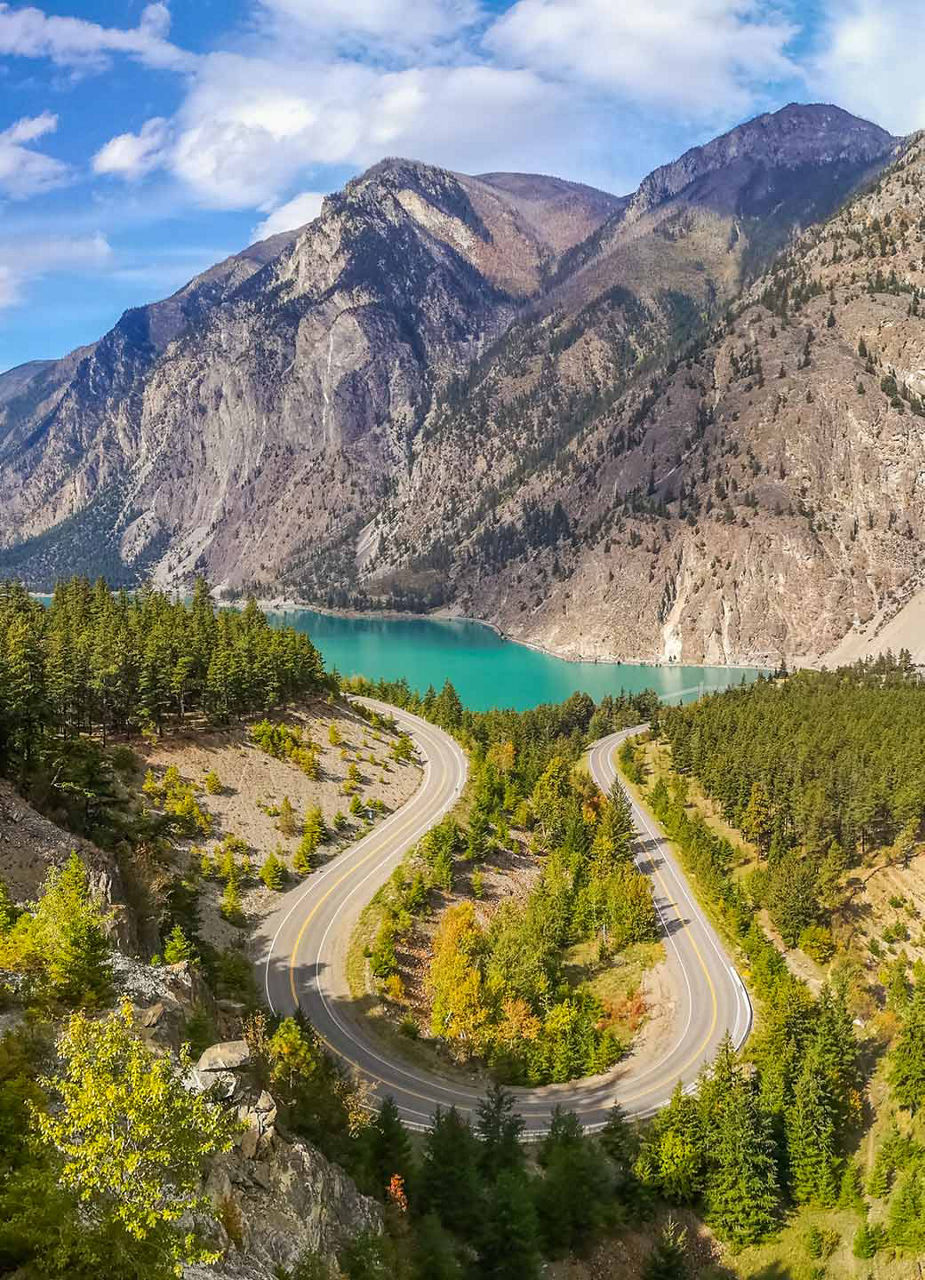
880 1178
448 708
620 1143
313 825
499 1128
509 1248
851 1191
387 1150
231 902
907 1209
434 1254
865 1242
67 938
614 834
758 821
451 1186
178 947
837 1048
812 1136
227 866
303 859
742 1190
575 1196
668 1259
24 702
442 871
672 1158
907 1060
273 872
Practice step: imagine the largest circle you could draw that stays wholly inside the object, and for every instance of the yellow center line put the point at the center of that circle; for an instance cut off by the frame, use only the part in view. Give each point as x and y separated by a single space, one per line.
450 1084
706 974
346 876
298 943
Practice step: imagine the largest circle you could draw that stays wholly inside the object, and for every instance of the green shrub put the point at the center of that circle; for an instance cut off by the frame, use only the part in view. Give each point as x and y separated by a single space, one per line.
178 947
817 942
867 1240
230 906
62 944
273 872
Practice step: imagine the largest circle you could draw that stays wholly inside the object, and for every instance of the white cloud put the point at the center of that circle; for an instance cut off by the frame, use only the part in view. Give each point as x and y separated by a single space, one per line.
133 154
294 213
30 128
23 171
345 82
701 56
86 46
314 83
394 24
155 20
250 127
871 61
26 258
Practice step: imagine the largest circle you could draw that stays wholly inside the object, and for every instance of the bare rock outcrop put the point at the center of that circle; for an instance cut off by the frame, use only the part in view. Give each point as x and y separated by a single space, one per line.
164 997
276 1199
31 845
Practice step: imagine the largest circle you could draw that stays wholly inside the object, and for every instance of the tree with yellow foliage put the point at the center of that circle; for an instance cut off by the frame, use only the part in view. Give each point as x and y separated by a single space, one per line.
458 1013
127 1140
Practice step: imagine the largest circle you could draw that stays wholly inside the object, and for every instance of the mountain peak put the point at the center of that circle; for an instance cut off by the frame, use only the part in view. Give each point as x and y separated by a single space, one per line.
796 135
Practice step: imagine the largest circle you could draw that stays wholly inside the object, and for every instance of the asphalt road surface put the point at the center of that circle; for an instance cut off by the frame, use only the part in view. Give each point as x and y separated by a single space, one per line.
302 958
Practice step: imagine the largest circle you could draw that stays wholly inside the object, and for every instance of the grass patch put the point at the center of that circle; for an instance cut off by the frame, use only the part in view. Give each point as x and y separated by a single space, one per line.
787 1255
617 980
360 940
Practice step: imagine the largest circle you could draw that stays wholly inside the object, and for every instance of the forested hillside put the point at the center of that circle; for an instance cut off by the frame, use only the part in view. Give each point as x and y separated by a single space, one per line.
97 663
89 1088
817 770
823 774
811 1136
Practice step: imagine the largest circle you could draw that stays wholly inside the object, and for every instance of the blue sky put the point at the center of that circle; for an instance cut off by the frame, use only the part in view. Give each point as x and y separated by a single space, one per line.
140 142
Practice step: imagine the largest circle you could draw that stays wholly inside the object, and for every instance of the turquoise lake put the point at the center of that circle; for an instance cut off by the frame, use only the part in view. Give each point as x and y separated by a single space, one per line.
487 670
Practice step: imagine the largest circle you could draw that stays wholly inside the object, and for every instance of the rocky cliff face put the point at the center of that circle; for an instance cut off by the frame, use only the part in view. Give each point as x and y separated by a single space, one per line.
460 391
253 421
31 846
276 1199
762 497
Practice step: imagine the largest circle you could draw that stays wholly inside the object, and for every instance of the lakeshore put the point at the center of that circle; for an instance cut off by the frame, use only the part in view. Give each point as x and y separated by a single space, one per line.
487 669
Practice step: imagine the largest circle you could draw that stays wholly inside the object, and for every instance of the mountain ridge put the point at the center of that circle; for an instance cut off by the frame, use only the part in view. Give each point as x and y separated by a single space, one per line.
365 409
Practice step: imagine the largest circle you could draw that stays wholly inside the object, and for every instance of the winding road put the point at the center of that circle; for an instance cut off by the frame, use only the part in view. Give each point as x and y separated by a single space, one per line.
302 961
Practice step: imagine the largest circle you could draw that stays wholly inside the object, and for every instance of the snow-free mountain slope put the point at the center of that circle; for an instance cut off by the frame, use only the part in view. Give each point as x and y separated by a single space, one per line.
464 391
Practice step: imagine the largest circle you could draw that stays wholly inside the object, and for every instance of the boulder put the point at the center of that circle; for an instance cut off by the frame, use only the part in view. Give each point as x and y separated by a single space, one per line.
230 1055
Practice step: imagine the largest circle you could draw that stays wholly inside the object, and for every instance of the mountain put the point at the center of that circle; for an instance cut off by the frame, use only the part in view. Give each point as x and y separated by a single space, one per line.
759 498
447 390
